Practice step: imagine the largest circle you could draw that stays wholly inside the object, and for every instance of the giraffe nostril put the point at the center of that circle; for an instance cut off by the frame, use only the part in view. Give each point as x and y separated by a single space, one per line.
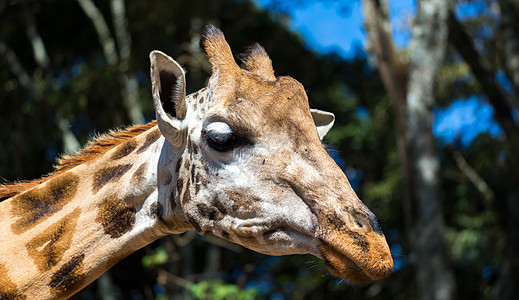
374 223
367 221
359 223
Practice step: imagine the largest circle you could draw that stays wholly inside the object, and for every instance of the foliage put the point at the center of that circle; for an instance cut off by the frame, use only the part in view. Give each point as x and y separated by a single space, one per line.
157 258
218 290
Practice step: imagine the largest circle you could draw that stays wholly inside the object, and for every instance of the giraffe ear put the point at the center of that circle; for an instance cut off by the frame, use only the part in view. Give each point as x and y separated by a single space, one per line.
168 83
323 121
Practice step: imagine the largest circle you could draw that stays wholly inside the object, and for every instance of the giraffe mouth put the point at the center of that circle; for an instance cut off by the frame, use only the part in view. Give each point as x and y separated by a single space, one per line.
340 265
354 270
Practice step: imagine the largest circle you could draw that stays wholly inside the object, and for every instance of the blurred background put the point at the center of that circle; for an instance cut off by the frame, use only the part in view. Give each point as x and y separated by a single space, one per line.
425 95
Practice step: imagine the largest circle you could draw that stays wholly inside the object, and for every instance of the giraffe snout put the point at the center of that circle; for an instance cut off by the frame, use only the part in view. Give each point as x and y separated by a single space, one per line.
353 246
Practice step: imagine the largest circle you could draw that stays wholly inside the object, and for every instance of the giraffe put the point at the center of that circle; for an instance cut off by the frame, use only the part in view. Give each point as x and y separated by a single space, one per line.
241 159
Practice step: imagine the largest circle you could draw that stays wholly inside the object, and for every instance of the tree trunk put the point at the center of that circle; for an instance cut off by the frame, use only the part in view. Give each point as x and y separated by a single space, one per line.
502 103
105 38
427 50
70 142
42 59
410 87
129 83
393 72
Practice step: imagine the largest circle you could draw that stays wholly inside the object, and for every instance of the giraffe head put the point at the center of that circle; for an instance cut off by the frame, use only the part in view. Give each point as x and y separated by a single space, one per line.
251 167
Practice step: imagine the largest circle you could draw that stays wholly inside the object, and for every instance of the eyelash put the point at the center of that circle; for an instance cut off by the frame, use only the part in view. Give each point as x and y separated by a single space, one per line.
221 142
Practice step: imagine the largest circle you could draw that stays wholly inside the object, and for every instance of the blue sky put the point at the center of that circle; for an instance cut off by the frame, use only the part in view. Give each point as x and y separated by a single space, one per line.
338 26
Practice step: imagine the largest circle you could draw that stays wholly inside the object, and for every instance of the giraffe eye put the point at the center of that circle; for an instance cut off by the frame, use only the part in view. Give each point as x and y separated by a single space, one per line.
220 137
221 142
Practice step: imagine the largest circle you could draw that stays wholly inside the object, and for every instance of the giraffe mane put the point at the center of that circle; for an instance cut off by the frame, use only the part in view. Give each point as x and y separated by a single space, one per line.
93 149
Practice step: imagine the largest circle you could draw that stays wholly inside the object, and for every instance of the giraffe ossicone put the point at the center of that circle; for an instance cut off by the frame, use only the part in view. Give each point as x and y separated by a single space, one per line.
241 159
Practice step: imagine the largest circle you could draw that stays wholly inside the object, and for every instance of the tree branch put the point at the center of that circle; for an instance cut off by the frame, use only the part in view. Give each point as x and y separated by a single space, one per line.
38 47
393 70
427 50
473 176
128 80
16 67
463 43
121 29
105 38
70 142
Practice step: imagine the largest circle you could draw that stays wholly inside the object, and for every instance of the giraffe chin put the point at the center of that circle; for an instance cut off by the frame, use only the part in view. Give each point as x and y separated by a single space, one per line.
279 241
341 265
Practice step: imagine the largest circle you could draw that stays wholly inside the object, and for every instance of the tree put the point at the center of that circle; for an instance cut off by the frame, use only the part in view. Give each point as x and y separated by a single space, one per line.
499 54
411 89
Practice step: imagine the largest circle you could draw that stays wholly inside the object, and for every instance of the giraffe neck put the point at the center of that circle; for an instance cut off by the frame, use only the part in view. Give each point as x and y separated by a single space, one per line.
64 233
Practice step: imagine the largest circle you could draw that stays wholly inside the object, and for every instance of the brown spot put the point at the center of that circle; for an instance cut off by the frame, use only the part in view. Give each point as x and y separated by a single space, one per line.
48 248
205 165
209 212
243 200
138 175
69 277
193 223
157 211
186 164
116 217
337 224
180 185
218 205
186 198
334 221
166 178
150 139
177 166
37 204
359 240
225 235
124 149
8 289
108 174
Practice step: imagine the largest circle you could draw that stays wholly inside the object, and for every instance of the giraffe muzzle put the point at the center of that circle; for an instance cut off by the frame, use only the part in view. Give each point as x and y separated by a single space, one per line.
357 260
